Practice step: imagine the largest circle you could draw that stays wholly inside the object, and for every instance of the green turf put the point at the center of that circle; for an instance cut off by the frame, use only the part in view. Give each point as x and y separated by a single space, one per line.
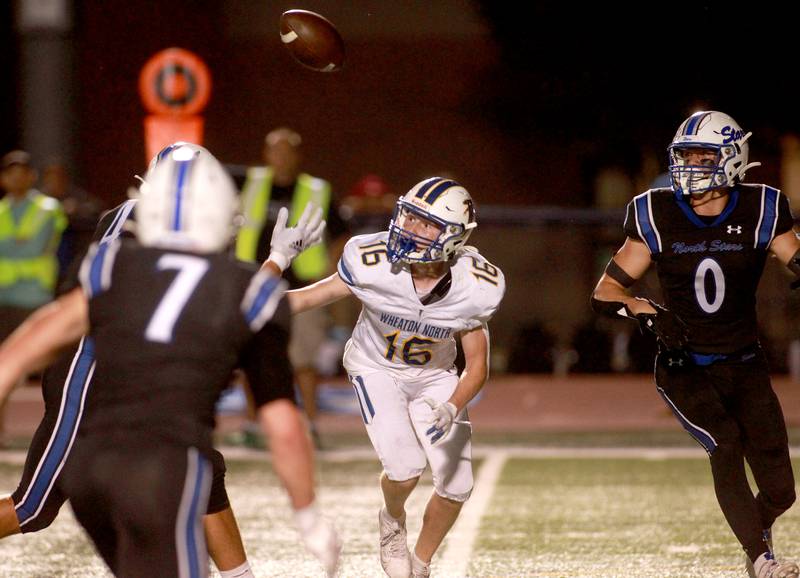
611 518
602 518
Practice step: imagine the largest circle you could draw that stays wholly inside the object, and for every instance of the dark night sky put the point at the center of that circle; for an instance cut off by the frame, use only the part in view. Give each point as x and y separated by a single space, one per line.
630 63
605 78
618 77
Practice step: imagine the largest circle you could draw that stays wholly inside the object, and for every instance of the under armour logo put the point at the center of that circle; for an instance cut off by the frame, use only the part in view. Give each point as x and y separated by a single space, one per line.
673 361
737 229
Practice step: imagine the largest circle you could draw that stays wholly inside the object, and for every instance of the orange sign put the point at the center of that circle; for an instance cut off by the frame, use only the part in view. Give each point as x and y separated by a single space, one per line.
175 81
161 130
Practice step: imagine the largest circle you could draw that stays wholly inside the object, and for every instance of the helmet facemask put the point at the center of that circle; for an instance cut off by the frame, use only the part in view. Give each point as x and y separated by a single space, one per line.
440 203
405 245
715 132
694 179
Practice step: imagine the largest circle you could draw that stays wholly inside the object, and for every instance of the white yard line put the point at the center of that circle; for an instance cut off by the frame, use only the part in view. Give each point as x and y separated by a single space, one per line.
461 539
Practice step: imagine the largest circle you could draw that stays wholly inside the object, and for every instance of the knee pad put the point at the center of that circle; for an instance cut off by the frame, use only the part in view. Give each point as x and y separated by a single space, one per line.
456 486
401 473
455 497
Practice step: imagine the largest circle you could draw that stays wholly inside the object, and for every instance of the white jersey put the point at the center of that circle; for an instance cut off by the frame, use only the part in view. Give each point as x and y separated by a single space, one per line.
395 331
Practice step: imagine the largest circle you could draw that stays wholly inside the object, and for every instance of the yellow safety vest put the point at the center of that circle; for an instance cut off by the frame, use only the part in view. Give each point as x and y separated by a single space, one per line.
313 262
42 268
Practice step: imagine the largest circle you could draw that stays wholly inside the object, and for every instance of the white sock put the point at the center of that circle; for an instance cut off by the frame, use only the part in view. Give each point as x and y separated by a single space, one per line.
401 520
760 562
243 571
417 563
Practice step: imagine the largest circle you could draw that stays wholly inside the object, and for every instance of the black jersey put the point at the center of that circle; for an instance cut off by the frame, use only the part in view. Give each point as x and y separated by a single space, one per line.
168 328
110 226
709 268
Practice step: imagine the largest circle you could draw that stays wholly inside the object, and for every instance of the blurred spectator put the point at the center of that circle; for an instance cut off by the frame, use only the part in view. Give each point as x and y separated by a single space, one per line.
281 183
82 210
369 205
30 229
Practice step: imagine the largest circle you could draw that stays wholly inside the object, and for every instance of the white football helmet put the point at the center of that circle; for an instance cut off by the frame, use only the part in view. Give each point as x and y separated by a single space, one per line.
187 201
709 129
445 203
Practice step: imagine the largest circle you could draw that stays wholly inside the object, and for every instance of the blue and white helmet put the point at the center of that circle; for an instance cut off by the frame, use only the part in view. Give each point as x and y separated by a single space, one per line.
442 201
709 129
187 201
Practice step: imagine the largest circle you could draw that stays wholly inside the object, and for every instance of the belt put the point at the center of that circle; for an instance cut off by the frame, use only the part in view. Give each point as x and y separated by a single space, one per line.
747 354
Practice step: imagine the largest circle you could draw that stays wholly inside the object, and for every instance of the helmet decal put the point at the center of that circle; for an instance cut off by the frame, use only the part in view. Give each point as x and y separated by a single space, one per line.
436 186
693 122
182 168
187 201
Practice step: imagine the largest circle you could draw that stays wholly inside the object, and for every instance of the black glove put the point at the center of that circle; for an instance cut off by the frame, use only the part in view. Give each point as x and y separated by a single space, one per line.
668 328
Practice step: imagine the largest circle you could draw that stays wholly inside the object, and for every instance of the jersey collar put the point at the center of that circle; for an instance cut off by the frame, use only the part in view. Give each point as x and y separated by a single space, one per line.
439 291
733 198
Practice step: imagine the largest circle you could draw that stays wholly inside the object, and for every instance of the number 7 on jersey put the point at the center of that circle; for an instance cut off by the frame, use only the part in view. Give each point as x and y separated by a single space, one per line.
190 271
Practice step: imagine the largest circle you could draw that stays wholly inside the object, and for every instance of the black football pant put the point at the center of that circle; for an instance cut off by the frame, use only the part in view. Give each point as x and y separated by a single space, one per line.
732 411
38 497
142 505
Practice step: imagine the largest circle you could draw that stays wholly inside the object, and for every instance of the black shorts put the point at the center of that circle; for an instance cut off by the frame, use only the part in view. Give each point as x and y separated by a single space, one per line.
142 504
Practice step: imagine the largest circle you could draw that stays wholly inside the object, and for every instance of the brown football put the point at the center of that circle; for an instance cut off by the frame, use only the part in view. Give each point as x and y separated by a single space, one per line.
312 40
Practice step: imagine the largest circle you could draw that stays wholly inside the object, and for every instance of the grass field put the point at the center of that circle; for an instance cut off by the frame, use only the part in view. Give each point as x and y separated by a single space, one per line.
556 512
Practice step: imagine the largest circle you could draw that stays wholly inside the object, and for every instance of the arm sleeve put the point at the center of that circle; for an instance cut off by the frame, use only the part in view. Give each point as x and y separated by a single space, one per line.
630 228
348 264
490 296
71 279
265 360
785 217
96 268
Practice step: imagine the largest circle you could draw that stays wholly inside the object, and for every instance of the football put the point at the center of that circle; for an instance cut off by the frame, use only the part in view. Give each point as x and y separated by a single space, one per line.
312 40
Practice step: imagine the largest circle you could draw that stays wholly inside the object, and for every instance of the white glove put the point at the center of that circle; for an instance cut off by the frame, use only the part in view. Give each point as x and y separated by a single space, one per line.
319 537
444 414
286 244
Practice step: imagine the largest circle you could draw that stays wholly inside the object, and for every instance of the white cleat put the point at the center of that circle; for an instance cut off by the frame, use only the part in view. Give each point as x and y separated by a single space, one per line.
769 568
395 557
419 569
766 536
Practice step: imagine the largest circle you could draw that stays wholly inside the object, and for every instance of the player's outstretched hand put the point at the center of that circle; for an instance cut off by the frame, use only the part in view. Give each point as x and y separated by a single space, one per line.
666 326
288 243
444 414
319 537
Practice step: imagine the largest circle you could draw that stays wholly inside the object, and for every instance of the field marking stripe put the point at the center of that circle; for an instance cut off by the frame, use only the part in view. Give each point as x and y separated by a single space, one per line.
461 539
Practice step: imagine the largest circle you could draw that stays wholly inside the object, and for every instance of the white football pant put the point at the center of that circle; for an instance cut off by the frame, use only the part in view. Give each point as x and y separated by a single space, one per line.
397 419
